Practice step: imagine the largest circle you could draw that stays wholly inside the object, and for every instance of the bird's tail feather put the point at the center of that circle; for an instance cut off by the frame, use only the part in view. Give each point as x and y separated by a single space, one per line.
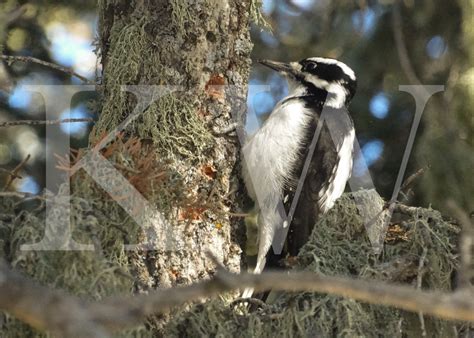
248 292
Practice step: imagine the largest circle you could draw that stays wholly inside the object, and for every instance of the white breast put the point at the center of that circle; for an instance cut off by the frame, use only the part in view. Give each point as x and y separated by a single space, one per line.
271 151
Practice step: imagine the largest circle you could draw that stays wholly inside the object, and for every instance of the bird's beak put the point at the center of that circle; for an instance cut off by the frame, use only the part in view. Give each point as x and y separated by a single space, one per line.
280 67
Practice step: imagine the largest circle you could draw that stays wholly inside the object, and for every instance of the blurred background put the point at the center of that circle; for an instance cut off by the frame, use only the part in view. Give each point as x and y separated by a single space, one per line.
60 32
387 43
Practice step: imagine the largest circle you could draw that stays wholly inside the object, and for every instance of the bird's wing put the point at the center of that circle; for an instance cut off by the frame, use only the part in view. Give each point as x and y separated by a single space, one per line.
327 174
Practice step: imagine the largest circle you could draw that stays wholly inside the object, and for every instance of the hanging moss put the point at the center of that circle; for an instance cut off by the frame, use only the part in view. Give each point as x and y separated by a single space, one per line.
89 274
257 16
95 219
339 246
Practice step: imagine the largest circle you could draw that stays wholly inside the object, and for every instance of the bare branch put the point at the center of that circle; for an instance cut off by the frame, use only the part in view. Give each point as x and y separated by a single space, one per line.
409 181
42 122
421 265
8 172
30 59
45 309
15 194
14 173
66 315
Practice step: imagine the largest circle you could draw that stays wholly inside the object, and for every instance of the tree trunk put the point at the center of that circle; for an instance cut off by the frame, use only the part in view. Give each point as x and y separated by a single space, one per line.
199 46
174 153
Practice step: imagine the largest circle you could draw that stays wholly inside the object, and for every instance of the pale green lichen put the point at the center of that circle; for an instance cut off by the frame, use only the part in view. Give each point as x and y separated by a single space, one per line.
124 62
89 274
175 127
256 14
180 15
339 246
172 121
96 219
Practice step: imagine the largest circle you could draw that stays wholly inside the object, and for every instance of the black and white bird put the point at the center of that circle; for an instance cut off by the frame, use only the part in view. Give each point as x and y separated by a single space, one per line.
320 90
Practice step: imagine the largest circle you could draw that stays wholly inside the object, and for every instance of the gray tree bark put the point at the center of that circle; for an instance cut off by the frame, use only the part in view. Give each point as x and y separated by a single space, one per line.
202 47
174 154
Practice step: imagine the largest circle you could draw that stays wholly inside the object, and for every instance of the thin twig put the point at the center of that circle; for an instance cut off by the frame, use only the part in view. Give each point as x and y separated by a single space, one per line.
125 168
406 210
42 122
14 173
41 198
8 172
239 215
16 194
419 280
409 181
29 59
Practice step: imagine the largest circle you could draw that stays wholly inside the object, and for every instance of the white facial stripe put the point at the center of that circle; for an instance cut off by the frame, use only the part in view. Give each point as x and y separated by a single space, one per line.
296 66
339 93
320 83
343 66
337 90
339 96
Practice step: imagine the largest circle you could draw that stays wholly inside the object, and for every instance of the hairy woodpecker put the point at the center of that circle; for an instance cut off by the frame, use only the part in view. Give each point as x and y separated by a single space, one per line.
320 90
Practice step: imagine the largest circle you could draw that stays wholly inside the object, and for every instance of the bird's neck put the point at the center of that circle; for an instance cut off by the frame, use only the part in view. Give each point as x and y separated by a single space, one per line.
335 98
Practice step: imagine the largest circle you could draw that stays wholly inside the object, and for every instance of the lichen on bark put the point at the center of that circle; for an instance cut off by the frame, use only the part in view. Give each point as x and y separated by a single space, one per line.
198 46
193 181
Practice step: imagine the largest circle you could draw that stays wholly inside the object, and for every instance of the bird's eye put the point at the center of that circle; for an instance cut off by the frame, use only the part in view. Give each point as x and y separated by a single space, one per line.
311 66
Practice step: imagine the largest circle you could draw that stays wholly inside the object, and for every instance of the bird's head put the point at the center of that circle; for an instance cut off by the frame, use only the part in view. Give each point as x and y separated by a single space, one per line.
317 76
